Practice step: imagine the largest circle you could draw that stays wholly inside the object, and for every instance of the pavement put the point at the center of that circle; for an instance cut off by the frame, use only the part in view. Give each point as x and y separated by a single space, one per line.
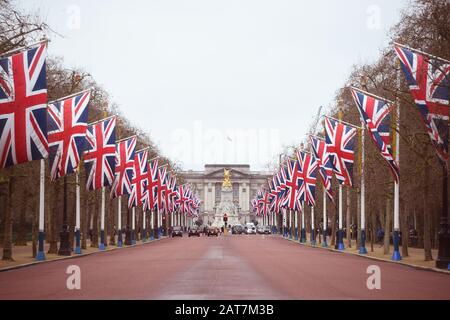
237 267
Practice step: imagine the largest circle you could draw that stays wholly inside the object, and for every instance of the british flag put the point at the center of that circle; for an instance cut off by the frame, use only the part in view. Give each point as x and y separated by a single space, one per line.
282 174
183 190
265 203
308 171
273 195
23 107
140 179
340 140
67 125
376 115
254 205
292 182
124 170
324 163
428 81
99 159
152 186
161 188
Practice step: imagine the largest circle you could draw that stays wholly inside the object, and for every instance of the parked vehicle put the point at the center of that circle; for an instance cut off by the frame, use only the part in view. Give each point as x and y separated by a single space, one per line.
194 231
237 229
250 228
213 231
267 230
260 230
177 232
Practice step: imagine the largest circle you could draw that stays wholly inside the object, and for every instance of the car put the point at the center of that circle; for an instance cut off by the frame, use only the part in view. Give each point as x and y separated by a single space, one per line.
250 228
177 232
213 231
267 230
237 229
194 231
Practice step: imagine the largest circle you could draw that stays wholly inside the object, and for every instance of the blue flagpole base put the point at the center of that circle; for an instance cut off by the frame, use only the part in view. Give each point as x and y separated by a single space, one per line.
102 247
40 256
448 268
324 244
396 240
133 242
296 234
144 240
119 244
362 250
77 250
303 236
341 247
396 256
313 243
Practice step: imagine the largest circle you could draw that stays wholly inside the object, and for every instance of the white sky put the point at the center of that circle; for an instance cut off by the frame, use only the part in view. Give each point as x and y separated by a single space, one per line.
227 81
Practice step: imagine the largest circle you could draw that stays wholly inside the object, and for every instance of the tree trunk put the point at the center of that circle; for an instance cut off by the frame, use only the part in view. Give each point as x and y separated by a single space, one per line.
333 227
404 225
7 225
111 226
21 239
348 219
387 227
94 243
426 219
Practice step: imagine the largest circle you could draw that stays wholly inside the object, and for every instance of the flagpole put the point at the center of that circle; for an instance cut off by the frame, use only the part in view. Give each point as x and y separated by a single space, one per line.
144 232
362 247
313 235
396 138
325 221
303 231
77 214
102 222
27 47
40 254
152 225
340 243
119 222
133 225
69 96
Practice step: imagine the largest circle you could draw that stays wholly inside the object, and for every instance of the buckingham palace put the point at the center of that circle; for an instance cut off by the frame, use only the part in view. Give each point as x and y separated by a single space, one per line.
208 185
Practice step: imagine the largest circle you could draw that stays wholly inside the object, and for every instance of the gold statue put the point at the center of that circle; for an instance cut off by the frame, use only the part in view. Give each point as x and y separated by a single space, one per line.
226 179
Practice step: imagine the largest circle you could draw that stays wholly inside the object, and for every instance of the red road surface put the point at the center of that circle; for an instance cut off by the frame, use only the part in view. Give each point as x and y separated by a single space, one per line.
233 267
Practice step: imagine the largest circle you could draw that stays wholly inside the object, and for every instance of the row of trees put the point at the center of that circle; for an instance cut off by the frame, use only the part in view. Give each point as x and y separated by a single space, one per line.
424 25
19 185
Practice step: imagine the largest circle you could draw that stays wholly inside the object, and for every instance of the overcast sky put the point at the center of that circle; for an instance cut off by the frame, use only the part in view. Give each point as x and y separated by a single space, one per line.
219 81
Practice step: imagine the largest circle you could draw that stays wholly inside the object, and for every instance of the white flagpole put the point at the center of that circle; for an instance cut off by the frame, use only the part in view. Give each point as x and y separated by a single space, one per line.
283 211
133 225
152 224
396 254
40 254
313 236
119 222
362 249
303 231
102 222
325 220
340 231
77 214
143 235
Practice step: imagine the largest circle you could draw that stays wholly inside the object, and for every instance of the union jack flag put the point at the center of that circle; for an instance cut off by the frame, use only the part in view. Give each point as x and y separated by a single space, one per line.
308 171
292 182
161 188
182 198
340 141
124 167
428 81
99 160
376 115
282 175
254 204
140 179
67 125
152 186
323 161
23 107
273 195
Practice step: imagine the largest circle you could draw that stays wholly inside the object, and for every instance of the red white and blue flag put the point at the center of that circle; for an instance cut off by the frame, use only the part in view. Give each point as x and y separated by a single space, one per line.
23 107
324 163
124 169
99 159
292 182
340 140
308 172
161 188
376 115
67 126
140 179
428 81
152 186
